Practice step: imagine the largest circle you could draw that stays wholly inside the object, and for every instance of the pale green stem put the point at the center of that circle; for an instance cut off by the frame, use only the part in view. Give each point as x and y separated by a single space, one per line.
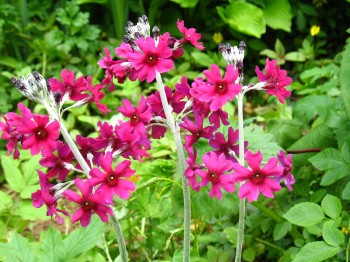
120 238
175 130
86 169
241 221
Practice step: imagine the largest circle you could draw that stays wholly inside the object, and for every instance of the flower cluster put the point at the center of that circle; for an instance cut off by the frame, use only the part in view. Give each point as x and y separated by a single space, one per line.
88 164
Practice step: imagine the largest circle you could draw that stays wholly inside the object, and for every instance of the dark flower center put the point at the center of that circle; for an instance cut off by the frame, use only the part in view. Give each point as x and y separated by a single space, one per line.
112 180
221 88
213 177
151 59
258 178
87 206
41 133
134 119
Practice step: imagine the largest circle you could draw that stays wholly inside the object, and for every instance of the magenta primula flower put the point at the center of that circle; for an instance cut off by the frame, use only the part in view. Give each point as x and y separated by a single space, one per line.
113 181
57 163
217 90
217 166
276 80
40 134
258 180
190 172
97 95
189 35
74 88
46 196
286 163
152 58
89 202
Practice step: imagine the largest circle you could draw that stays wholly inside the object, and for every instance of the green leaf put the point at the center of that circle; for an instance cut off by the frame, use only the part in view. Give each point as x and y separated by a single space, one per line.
281 229
279 47
331 206
316 251
51 245
83 239
305 214
346 192
285 131
278 14
243 17
28 212
248 254
202 59
345 79
12 173
295 57
19 249
332 235
186 3
231 234
332 163
269 53
5 200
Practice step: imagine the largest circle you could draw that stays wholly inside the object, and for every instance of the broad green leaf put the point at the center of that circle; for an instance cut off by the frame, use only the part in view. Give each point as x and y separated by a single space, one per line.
12 173
248 254
332 235
22 251
186 3
202 59
305 214
315 252
5 200
231 234
285 131
345 79
278 14
269 53
27 211
332 163
279 47
295 57
281 229
51 245
346 192
83 239
243 17
331 206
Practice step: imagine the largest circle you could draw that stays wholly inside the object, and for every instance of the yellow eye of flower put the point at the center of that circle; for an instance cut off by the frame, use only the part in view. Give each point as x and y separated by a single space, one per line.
217 38
314 30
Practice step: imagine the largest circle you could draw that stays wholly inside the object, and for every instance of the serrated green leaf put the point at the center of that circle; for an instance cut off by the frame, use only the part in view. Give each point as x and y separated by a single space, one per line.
22 250
281 229
243 17
231 234
346 192
5 200
332 163
345 79
51 246
315 252
83 239
332 235
305 214
12 173
28 212
331 206
278 15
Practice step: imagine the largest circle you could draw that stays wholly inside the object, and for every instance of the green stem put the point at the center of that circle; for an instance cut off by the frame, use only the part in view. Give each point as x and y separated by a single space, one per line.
268 211
120 238
175 130
269 244
241 221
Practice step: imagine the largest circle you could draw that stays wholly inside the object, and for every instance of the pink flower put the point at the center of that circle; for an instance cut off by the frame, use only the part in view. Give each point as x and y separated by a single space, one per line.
286 163
152 58
75 88
139 116
40 134
217 166
189 35
57 163
218 90
46 196
113 181
88 202
276 80
97 96
257 179
190 172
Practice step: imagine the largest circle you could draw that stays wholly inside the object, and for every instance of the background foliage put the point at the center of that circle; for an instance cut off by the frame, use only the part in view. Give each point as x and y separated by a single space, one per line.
309 224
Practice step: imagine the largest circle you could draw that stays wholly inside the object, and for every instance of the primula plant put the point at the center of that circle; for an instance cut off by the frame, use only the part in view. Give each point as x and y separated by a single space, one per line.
92 172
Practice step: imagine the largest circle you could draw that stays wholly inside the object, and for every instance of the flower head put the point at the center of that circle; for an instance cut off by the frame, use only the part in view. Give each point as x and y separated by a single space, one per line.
286 162
257 180
275 80
190 35
217 166
89 202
